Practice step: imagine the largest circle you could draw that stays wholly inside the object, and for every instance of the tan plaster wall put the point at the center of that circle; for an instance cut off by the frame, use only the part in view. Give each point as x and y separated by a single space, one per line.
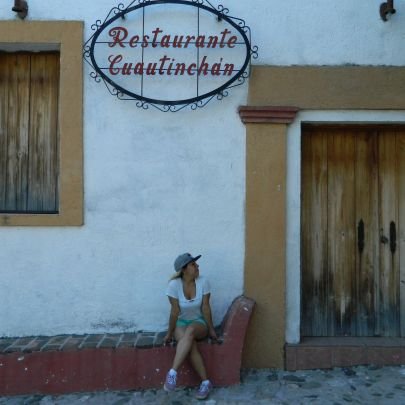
325 87
67 36
265 243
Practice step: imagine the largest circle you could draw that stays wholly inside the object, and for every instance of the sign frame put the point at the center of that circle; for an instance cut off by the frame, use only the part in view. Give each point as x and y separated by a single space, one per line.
200 100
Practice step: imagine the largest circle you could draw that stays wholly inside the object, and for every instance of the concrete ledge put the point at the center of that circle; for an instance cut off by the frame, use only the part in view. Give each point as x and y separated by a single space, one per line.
65 364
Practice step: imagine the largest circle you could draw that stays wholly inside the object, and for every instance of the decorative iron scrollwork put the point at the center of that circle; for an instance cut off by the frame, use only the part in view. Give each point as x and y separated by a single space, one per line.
199 100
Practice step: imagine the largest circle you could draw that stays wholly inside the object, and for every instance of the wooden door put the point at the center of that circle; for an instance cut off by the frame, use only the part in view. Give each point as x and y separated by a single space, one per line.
353 206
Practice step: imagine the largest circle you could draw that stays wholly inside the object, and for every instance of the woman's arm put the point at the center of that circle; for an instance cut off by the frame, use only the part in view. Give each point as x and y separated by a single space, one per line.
206 310
174 313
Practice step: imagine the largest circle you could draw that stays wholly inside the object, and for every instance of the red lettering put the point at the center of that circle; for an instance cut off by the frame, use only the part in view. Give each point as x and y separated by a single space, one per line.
157 31
133 42
113 60
162 64
224 33
203 69
151 70
166 65
191 69
165 42
118 35
180 69
232 42
229 67
200 41
212 41
177 42
216 68
126 69
169 69
139 69
145 41
188 40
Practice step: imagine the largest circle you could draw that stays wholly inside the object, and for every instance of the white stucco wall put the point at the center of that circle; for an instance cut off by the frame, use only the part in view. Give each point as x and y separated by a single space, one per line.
158 184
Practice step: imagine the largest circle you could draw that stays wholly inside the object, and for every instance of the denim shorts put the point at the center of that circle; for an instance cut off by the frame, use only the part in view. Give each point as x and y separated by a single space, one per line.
181 323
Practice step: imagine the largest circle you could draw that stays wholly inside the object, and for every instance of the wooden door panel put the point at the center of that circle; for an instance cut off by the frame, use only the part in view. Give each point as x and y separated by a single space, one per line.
314 235
367 253
387 322
401 226
4 85
341 235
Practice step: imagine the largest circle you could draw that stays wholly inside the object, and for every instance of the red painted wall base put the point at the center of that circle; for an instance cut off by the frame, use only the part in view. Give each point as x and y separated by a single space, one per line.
56 372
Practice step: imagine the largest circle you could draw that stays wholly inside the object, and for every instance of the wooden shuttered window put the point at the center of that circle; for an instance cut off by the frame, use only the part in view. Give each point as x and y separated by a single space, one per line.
29 158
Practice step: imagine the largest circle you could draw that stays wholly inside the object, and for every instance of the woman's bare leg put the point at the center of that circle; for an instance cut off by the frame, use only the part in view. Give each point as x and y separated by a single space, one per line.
186 345
197 362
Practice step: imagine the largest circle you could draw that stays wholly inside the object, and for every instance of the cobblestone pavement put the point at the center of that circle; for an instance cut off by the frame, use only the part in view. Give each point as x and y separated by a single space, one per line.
357 385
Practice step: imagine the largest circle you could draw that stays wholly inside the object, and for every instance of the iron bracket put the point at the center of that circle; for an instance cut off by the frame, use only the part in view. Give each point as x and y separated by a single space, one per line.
387 8
21 8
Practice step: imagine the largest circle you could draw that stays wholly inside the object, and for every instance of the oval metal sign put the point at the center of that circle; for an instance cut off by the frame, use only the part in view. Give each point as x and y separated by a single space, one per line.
170 53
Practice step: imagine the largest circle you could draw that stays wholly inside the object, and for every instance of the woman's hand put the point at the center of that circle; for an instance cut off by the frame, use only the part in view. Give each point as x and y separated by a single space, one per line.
167 339
212 334
174 313
206 310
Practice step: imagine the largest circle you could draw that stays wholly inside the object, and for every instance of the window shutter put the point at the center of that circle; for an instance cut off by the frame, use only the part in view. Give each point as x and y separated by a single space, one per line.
29 155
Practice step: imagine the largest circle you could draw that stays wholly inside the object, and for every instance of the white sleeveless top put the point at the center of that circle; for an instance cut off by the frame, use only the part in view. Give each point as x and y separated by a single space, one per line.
189 309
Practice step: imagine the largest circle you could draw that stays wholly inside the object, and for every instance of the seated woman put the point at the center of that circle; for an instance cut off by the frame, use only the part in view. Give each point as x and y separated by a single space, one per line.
190 320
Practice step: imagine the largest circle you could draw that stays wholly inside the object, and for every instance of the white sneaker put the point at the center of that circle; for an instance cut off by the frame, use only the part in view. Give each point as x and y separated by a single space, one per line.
204 390
170 383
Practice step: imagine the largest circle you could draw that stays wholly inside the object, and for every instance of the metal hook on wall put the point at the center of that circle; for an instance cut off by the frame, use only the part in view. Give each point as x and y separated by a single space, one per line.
21 8
387 8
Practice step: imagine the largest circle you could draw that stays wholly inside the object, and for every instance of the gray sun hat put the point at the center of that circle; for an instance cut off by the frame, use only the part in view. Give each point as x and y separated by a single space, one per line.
184 260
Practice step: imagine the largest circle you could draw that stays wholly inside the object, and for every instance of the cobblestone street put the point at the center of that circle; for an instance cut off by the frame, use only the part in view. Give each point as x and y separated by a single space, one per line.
357 385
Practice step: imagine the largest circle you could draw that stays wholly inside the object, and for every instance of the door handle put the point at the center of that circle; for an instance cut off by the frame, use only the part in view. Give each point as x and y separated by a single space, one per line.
360 236
393 237
383 238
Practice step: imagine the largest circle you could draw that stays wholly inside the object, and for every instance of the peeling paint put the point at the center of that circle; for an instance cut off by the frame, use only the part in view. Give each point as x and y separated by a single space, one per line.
115 324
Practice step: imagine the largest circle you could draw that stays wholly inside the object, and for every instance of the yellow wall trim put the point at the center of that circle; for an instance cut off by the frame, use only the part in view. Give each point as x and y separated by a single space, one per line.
328 87
264 279
303 88
67 37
